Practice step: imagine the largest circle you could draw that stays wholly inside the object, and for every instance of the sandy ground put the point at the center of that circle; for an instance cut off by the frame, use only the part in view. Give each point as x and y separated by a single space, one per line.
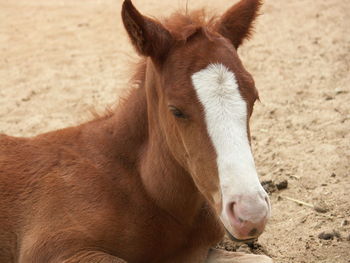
59 59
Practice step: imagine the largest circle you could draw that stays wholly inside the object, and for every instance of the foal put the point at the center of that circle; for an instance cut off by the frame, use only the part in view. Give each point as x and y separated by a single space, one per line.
160 179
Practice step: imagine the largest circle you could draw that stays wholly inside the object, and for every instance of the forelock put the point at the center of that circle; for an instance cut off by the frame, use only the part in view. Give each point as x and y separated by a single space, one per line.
183 25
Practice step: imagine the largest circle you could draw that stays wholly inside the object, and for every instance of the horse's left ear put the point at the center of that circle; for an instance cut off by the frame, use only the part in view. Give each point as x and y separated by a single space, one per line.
236 23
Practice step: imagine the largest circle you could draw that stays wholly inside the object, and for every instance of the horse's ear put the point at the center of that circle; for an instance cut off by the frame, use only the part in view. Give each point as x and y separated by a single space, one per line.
148 36
236 24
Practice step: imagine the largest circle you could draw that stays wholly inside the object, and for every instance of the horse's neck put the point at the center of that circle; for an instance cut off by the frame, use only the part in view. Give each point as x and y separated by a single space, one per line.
140 138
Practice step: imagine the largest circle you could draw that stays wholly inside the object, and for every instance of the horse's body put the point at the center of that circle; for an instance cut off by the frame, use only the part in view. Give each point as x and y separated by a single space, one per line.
113 189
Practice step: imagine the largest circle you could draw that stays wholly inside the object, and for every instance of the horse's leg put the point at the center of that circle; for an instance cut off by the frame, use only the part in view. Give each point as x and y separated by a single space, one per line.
222 256
93 257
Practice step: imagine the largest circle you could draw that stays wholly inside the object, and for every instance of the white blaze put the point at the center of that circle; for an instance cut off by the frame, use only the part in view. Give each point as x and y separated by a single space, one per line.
226 119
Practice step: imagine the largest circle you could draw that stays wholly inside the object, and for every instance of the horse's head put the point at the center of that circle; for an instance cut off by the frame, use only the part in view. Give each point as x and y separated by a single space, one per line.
202 99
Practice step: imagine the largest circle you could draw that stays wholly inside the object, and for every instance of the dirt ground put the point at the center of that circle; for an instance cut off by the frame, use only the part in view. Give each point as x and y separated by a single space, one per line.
61 58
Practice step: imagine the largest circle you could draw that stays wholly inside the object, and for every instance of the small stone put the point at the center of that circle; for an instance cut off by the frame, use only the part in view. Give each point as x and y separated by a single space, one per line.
282 185
333 175
326 235
329 235
348 238
344 222
307 245
340 91
321 207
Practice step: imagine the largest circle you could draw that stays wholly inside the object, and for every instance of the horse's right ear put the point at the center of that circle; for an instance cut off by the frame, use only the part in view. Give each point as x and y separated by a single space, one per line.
236 23
148 36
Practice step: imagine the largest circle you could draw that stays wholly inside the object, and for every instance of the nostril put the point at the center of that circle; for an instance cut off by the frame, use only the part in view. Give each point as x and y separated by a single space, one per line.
230 209
233 215
231 212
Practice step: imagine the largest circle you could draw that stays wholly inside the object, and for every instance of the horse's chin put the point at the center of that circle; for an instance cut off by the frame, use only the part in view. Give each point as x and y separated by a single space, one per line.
233 238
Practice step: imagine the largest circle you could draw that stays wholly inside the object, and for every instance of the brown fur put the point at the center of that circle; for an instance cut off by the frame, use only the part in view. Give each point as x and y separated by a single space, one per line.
135 185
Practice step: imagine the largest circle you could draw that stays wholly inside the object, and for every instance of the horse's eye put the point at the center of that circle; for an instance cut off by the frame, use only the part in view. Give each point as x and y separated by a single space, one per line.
176 112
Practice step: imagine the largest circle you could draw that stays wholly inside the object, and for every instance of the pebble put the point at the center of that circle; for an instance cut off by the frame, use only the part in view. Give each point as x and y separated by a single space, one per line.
321 207
271 187
329 235
339 91
344 222
326 236
282 185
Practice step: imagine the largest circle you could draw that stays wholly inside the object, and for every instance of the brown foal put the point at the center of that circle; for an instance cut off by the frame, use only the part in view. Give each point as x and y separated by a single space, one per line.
161 178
